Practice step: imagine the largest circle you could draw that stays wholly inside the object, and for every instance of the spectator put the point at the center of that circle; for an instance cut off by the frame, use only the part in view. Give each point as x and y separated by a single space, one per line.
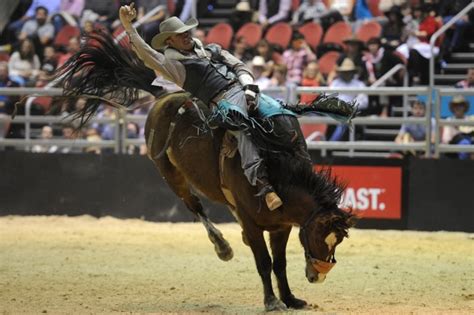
6 102
429 25
344 7
50 60
461 135
46 134
73 46
353 50
151 26
103 12
242 14
413 132
297 58
278 80
361 11
448 9
378 61
260 72
271 12
412 19
133 132
52 6
265 50
418 56
311 78
73 7
240 49
468 82
393 29
309 10
92 135
69 134
38 30
24 64
346 79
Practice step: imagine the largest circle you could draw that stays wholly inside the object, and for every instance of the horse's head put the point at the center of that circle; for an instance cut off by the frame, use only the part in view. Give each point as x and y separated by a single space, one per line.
320 235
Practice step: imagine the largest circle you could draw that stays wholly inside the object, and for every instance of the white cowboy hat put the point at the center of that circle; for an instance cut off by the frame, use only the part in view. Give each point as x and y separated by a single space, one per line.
172 26
347 65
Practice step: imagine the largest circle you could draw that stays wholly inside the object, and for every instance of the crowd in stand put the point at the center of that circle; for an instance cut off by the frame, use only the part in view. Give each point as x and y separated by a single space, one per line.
33 46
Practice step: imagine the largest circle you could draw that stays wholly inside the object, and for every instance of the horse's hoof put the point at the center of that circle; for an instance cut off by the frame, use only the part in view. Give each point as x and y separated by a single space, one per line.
274 304
221 246
292 302
225 253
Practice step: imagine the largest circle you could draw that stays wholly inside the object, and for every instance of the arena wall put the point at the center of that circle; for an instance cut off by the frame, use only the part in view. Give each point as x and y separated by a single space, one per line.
415 194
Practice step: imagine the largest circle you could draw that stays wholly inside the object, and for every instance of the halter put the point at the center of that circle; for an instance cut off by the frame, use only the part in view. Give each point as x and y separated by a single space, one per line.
321 266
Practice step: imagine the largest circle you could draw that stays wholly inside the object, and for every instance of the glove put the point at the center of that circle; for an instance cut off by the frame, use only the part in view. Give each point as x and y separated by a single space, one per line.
251 95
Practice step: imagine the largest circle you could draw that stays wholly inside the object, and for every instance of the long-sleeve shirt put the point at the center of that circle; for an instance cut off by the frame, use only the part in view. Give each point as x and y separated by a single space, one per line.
170 67
283 11
308 11
361 99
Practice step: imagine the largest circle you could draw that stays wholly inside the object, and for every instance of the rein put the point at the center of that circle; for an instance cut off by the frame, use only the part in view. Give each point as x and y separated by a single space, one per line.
321 266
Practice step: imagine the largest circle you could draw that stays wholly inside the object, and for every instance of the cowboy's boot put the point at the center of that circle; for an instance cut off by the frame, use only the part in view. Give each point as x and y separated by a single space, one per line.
272 200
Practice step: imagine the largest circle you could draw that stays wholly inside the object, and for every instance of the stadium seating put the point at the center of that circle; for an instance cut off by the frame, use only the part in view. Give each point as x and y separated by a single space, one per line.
368 30
312 33
252 32
279 34
327 62
221 34
337 33
62 38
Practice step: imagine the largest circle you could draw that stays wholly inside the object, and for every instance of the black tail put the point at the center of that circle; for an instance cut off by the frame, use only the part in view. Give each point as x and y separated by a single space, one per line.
102 70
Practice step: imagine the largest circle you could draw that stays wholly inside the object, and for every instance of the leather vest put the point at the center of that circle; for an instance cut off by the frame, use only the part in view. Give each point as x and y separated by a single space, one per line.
207 77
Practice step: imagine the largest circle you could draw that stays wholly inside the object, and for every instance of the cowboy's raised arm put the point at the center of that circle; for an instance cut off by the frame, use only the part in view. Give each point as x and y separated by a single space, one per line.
169 69
243 72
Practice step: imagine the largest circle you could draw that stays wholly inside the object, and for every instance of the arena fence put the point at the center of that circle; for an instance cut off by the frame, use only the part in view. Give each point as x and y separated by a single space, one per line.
121 142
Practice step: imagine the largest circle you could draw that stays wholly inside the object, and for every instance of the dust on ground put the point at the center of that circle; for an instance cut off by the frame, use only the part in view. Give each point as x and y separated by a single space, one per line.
86 265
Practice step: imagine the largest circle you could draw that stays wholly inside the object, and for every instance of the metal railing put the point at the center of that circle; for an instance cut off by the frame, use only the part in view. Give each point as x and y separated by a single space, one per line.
121 142
352 144
440 122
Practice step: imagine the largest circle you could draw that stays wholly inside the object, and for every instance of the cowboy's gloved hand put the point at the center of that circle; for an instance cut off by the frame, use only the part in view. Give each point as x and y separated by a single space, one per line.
251 94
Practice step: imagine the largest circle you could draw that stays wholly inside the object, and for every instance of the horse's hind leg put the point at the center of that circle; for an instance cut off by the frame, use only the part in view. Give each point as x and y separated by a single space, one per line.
278 242
181 188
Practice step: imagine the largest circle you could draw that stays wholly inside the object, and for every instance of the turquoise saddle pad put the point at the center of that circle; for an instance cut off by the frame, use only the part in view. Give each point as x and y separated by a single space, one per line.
267 107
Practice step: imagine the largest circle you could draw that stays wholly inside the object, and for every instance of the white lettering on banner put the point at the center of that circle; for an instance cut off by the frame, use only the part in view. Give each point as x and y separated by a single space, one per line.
363 199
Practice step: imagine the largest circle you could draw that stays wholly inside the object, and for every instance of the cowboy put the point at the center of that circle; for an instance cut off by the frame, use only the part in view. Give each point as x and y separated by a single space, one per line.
210 74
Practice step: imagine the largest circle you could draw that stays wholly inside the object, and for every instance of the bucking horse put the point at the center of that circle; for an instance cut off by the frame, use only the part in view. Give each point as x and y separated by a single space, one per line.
197 156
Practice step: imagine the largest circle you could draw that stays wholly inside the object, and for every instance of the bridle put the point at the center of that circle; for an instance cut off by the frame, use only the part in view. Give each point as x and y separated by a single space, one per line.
321 266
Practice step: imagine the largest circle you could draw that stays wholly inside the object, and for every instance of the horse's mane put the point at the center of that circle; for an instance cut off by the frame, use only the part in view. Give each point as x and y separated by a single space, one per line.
288 173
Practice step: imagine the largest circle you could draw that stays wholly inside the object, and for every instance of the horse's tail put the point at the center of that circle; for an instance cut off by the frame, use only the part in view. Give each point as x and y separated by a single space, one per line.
103 71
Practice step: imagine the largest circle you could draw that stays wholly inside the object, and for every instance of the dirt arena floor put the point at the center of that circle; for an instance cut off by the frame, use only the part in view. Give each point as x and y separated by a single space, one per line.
84 265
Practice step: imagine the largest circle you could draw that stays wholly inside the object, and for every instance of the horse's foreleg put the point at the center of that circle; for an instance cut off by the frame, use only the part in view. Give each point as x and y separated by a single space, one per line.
181 188
263 261
221 246
278 242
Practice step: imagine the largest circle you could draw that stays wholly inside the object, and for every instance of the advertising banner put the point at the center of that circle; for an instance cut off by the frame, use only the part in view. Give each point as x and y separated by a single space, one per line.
374 192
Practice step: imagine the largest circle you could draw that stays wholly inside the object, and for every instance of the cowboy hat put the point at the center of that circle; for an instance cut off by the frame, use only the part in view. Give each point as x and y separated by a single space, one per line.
347 65
458 100
169 27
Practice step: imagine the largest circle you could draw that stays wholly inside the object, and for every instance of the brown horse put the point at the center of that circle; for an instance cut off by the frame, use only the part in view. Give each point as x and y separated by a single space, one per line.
191 160
202 163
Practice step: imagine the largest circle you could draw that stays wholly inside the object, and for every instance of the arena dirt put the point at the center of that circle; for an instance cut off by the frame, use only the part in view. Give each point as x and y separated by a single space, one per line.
85 265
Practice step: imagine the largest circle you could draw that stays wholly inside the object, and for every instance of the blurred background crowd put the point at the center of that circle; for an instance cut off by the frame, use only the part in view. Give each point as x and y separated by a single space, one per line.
286 43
